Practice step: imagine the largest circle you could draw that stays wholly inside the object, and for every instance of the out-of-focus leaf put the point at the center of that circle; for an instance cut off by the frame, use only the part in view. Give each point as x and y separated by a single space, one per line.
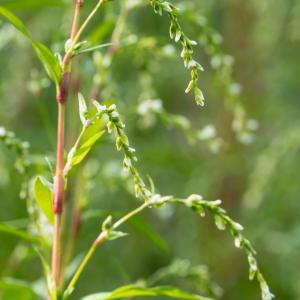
43 196
45 55
149 233
30 4
47 272
138 291
16 289
4 228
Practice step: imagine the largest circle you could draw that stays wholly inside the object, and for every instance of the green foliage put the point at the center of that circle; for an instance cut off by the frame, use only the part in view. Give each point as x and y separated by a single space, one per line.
111 234
128 59
8 138
43 192
5 228
133 291
194 202
45 55
13 288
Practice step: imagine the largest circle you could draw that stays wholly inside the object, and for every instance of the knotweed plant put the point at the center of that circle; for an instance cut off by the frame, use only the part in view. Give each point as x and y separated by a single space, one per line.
100 117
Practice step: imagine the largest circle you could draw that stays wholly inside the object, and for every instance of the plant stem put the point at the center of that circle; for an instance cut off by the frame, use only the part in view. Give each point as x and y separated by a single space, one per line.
76 18
77 36
99 241
131 214
58 194
59 181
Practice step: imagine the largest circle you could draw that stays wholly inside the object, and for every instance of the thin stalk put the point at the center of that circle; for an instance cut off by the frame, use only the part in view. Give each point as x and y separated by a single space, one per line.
76 38
131 214
76 18
99 241
75 147
58 194
59 181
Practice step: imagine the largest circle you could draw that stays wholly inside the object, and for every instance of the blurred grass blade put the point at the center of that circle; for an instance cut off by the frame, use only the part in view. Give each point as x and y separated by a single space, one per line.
139 291
45 55
4 228
47 272
149 233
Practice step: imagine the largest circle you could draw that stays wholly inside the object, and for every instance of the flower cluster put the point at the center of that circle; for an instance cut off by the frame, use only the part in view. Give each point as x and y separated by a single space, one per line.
151 108
114 124
22 161
177 34
223 221
223 63
194 202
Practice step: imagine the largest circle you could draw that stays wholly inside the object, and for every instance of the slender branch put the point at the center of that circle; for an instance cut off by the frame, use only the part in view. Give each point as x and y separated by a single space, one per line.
99 241
68 165
76 38
131 214
76 18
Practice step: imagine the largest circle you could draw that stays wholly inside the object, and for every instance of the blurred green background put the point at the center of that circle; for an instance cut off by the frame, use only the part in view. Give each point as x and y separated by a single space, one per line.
257 180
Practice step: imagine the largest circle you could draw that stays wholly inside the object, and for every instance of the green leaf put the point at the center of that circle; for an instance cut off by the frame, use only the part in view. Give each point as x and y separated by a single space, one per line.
114 235
138 291
94 48
45 55
83 110
49 61
43 195
13 289
4 228
47 272
31 4
82 152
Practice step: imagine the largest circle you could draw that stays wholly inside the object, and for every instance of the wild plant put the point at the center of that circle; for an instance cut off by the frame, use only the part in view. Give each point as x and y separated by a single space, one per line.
100 117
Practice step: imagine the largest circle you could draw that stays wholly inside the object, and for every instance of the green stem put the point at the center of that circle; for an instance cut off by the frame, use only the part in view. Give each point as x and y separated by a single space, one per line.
99 241
68 165
76 38
131 214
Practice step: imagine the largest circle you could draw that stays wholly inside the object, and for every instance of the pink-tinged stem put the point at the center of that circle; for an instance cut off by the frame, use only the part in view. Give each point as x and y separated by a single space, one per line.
59 181
58 195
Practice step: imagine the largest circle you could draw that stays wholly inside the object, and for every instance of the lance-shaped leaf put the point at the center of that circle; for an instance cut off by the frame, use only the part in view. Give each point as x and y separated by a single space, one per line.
48 276
4 228
45 55
131 291
43 195
76 155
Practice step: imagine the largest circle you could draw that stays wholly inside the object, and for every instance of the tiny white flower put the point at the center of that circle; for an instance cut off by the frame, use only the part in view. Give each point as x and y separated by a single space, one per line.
208 132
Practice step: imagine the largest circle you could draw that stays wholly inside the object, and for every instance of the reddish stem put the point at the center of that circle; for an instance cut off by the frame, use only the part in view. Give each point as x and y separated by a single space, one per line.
58 194
59 181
